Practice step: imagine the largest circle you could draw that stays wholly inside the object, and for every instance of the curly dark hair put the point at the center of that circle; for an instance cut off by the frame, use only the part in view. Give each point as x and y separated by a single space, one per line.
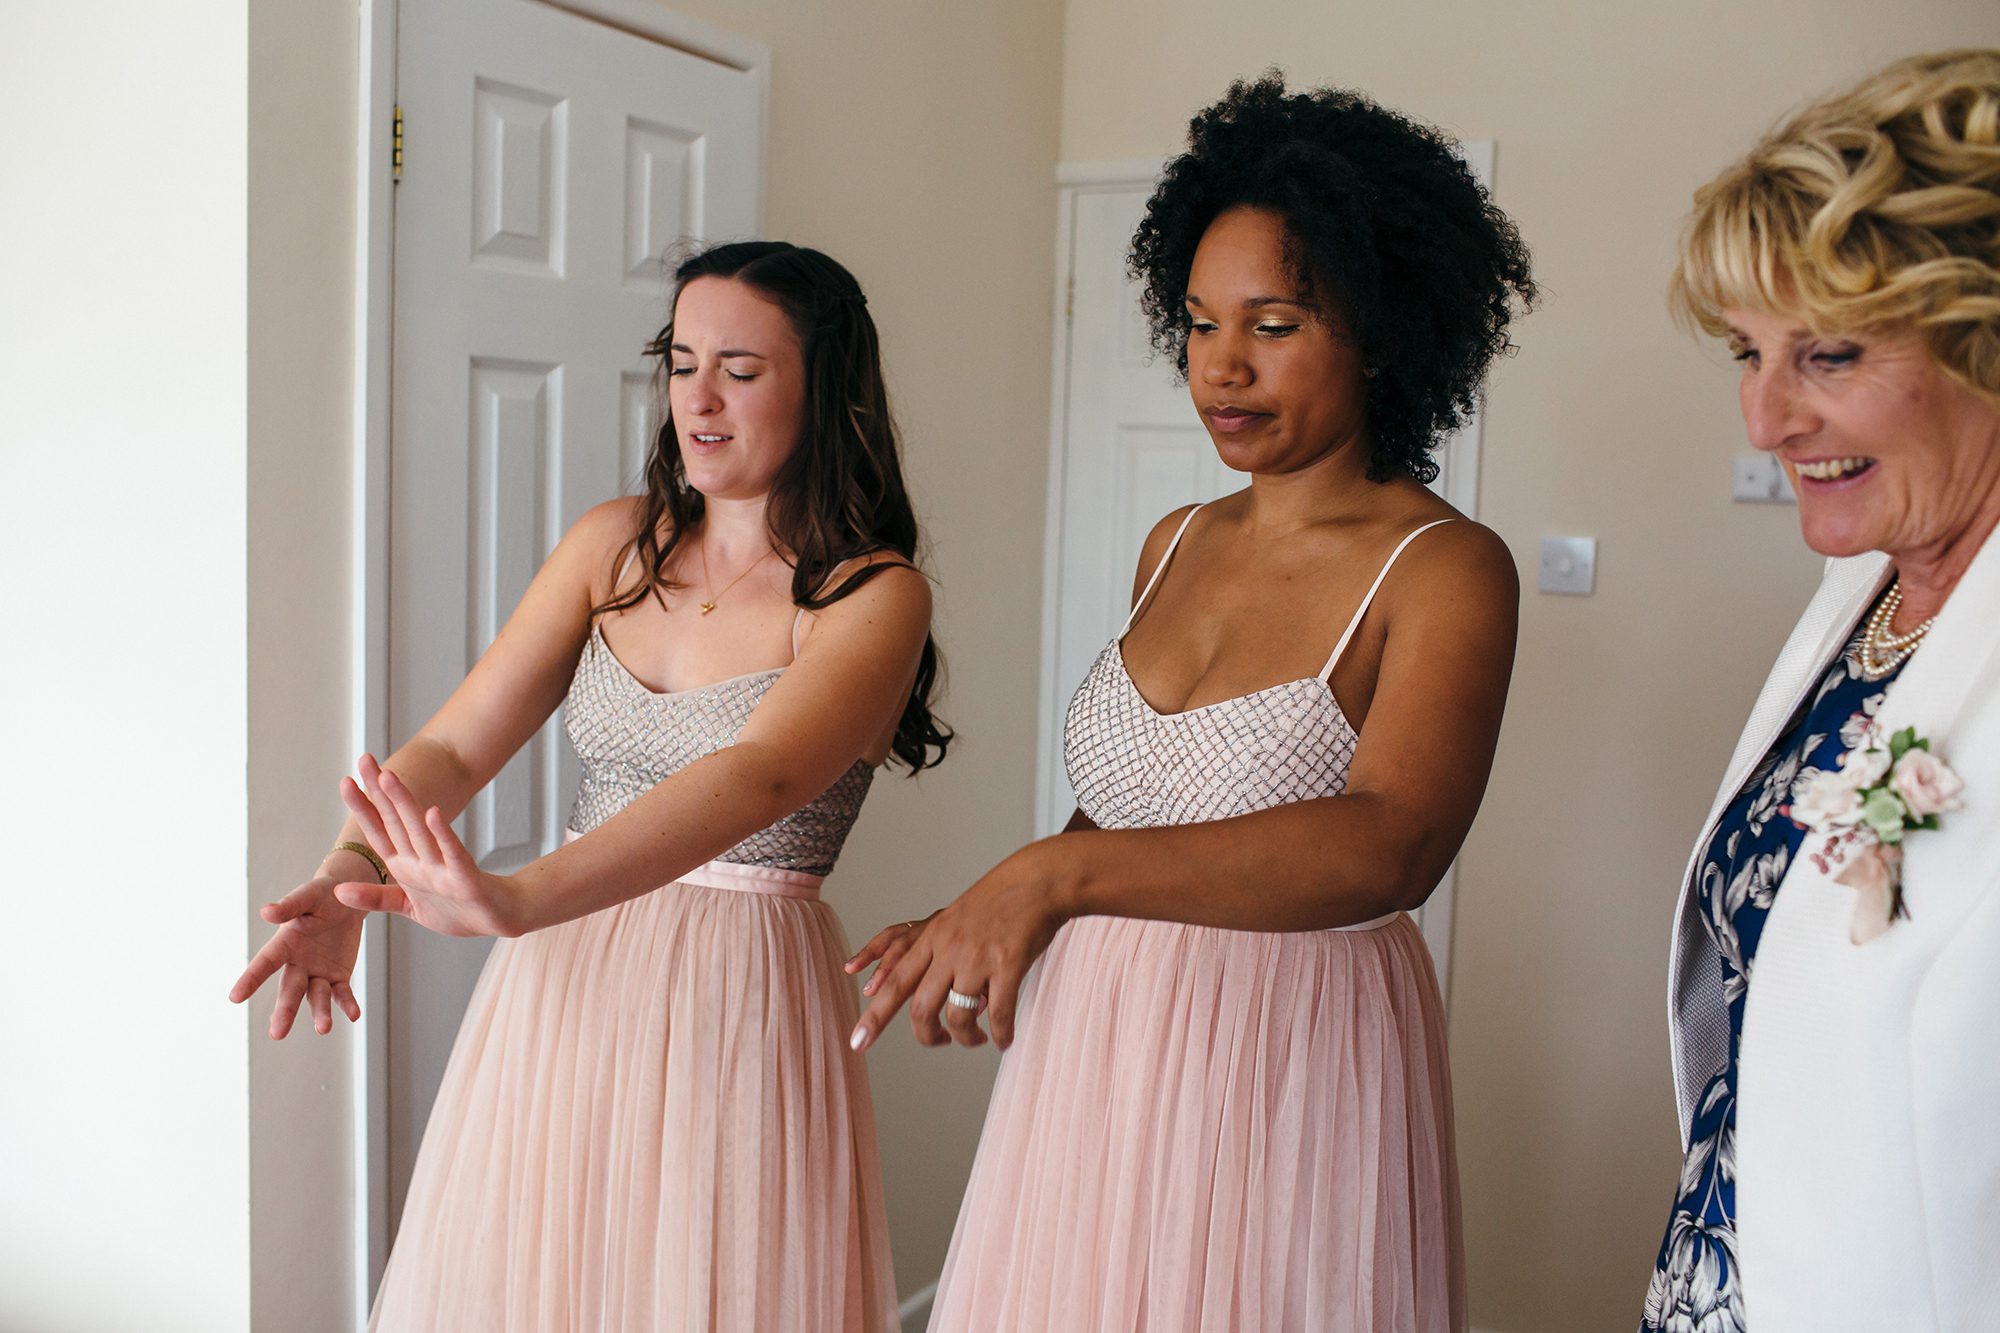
1387 235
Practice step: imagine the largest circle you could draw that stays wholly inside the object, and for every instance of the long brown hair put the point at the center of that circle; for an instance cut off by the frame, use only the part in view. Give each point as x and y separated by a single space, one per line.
839 495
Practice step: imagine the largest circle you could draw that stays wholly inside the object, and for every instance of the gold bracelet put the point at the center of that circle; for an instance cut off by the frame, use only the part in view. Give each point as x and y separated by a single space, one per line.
367 853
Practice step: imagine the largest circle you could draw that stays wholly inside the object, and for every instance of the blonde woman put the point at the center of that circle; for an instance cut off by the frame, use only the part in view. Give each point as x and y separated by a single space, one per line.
1836 979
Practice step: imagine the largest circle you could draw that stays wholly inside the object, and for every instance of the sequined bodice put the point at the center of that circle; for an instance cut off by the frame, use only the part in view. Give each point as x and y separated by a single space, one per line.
1133 767
629 738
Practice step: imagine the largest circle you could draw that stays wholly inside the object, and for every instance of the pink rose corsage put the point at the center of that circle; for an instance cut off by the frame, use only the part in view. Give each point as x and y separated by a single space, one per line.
1884 788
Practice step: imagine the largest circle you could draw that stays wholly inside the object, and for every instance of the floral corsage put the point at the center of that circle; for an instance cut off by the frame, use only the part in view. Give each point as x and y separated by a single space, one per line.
1884 787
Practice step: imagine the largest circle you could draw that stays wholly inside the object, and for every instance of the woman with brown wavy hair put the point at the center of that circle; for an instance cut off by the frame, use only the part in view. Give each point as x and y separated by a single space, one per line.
652 1119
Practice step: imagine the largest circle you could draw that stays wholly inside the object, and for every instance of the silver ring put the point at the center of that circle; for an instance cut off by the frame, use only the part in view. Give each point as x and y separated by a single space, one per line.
957 1001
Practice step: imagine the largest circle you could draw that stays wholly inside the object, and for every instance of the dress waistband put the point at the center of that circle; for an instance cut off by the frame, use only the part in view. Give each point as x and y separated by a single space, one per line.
1376 924
770 880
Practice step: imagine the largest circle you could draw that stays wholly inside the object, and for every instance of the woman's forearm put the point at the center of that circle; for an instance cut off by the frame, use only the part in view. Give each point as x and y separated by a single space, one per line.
1306 865
692 817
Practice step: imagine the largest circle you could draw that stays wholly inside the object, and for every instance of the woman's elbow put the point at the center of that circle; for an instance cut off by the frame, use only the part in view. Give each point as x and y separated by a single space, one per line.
1420 865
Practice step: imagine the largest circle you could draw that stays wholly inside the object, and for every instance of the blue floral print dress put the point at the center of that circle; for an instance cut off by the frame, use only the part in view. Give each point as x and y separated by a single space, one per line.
1696 1287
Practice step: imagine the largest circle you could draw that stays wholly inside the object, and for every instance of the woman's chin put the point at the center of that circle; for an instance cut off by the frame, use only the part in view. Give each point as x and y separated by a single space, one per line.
1835 537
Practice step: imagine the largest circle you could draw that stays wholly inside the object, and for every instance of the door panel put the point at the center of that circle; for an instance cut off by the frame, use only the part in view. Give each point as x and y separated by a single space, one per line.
549 162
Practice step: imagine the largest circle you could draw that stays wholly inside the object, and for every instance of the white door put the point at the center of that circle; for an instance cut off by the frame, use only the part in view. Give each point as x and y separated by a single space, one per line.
549 162
1128 448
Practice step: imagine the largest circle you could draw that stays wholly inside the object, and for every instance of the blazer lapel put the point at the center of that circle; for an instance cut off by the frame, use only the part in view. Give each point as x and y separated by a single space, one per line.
1846 591
1697 1029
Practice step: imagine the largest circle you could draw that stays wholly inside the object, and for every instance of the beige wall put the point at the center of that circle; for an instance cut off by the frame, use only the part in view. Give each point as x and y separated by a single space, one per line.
1609 423
916 143
303 77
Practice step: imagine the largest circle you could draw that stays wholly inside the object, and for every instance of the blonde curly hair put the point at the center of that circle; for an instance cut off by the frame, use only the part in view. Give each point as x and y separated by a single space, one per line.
1878 207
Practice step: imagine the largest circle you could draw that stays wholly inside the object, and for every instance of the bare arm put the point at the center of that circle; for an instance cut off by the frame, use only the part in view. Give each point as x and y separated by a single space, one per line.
516 684
846 688
1380 846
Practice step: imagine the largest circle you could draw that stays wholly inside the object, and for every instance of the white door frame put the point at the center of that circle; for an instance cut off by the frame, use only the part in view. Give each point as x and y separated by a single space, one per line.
368 721
1460 490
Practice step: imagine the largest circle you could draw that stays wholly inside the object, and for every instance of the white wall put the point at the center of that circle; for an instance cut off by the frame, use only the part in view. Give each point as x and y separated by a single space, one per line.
123 1073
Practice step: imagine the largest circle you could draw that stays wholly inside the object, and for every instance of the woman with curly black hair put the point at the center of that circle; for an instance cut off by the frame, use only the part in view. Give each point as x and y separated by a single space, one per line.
1226 1103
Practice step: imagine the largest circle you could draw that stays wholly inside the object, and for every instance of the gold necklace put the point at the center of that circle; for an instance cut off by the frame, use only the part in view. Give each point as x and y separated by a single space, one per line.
715 597
1881 651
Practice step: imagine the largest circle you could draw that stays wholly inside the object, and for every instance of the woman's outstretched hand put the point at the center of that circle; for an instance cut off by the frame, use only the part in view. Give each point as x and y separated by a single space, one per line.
981 946
317 942
434 880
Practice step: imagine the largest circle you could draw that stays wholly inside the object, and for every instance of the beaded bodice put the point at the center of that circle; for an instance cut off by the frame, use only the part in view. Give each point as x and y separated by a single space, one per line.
629 738
1134 767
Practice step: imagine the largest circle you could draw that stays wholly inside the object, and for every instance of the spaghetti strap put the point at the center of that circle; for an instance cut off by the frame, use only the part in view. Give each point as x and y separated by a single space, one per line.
1326 672
799 616
1158 570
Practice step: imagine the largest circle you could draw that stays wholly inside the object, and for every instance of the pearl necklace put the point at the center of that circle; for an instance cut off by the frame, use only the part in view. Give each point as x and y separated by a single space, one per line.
1882 652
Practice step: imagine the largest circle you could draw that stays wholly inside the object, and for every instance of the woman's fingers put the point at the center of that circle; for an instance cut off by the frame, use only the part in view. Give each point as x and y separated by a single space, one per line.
927 1005
292 906
385 809
291 989
891 955
409 817
456 859
374 897
267 961
343 995
319 997
362 806
959 1020
890 993
876 948
1003 992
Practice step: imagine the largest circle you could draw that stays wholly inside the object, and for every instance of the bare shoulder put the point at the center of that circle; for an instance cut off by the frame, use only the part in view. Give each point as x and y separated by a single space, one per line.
1457 569
1154 549
1463 548
606 527
884 586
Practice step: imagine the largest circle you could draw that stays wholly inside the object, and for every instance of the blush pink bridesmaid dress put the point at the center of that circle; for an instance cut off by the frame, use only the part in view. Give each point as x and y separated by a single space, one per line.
651 1121
1212 1131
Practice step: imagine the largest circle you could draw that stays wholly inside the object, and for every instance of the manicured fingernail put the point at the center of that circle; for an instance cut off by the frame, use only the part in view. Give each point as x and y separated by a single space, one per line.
859 1038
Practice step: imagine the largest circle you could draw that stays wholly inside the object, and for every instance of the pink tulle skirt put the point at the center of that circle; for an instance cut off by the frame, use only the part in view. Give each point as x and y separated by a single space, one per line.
1209 1130
651 1123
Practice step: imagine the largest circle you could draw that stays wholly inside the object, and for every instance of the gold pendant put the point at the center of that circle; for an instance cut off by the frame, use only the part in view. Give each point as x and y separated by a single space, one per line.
706 607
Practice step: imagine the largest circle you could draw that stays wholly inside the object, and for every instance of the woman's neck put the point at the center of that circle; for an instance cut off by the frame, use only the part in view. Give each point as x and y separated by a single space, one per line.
736 531
1333 488
1928 574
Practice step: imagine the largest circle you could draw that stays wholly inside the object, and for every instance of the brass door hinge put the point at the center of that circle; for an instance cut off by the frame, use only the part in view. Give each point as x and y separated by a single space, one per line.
396 147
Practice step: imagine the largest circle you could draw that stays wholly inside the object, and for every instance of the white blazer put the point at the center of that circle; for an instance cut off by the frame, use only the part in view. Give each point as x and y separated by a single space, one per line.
1868 1098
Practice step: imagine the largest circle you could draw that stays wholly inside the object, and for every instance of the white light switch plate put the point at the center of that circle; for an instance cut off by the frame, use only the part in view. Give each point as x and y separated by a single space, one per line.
1757 479
1569 565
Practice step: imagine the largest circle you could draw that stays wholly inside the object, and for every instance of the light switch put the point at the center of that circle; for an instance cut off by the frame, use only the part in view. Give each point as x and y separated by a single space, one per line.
1569 565
1757 479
